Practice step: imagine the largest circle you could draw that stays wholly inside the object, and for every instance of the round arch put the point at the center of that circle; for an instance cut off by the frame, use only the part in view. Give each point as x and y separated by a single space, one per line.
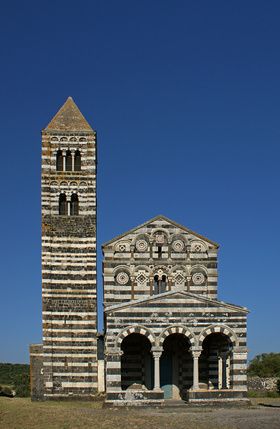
218 329
138 329
179 329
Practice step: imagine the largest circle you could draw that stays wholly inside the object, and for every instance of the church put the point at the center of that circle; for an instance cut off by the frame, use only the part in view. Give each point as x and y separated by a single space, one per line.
166 335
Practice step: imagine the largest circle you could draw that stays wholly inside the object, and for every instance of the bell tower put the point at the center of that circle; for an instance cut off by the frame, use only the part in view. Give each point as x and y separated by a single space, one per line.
69 255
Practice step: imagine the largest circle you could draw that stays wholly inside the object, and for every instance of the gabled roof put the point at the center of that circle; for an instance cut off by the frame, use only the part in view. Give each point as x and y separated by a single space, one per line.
160 217
69 118
166 295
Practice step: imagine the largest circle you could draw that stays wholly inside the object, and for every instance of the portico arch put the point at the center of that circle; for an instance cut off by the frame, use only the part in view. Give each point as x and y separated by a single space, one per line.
222 329
178 329
138 329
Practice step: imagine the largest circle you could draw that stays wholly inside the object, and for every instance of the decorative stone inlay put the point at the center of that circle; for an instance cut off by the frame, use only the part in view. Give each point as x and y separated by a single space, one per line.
198 278
160 239
122 278
198 247
141 245
141 278
178 246
179 278
121 247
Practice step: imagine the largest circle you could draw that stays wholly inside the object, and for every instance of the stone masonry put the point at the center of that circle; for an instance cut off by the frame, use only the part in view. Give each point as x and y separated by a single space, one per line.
69 351
166 333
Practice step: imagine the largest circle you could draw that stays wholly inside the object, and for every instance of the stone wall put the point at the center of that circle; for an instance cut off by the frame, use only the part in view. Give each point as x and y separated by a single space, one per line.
268 384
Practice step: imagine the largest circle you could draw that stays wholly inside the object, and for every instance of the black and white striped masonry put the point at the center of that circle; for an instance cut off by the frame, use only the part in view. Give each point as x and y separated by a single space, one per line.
166 334
69 350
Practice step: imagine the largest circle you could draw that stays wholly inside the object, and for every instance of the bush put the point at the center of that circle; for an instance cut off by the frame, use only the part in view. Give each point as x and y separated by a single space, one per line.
17 376
22 385
265 365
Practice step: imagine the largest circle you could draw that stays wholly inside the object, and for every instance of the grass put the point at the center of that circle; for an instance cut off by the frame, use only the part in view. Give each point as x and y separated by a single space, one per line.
21 413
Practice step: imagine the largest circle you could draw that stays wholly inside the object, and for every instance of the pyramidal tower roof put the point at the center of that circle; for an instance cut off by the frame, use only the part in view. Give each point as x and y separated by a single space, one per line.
69 118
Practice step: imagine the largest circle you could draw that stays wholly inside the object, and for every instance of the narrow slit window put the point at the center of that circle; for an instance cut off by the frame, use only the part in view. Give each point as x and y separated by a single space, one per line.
156 285
77 161
62 205
59 161
74 207
163 284
68 161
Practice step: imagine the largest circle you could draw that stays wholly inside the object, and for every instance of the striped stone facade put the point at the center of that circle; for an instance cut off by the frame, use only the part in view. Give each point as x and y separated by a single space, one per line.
167 336
69 255
160 282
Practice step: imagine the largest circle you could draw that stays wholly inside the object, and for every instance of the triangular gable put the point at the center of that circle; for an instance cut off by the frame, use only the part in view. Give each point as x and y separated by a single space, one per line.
69 118
160 217
180 293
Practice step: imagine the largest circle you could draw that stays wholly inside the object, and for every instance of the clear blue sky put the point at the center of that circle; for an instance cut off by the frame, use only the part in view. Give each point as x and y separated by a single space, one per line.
185 97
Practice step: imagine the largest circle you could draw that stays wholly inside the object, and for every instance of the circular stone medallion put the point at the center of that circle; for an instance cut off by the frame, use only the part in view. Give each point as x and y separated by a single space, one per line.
141 245
198 278
178 246
122 278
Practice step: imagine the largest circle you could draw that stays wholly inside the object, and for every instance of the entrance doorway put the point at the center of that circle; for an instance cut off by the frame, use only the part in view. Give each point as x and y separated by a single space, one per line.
137 369
176 367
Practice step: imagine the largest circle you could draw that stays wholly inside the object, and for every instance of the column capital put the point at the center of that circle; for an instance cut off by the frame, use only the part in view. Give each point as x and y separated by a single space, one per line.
196 352
157 352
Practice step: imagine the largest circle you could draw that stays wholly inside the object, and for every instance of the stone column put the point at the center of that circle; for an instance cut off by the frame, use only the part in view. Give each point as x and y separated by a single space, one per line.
195 354
64 160
132 287
156 355
73 158
151 286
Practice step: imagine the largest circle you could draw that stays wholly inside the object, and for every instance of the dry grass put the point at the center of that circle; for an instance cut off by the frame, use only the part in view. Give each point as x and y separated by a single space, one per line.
21 413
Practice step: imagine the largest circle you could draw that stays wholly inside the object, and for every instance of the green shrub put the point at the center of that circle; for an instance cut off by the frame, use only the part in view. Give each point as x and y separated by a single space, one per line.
22 385
265 365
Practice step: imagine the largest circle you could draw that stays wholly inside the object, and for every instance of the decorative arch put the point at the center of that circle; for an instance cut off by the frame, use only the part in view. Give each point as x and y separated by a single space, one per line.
179 329
178 243
121 268
122 275
163 231
218 329
137 329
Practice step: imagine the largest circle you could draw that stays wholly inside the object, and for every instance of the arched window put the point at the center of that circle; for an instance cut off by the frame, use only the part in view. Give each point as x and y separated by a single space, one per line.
74 207
77 161
59 161
163 284
160 284
62 205
156 285
68 161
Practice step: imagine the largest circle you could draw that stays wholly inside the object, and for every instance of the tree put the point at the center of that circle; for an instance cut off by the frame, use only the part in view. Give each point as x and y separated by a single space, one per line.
265 365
